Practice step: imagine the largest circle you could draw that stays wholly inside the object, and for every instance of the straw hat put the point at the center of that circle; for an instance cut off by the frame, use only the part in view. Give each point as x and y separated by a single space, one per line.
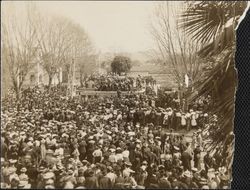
12 161
176 148
128 163
48 175
194 169
187 174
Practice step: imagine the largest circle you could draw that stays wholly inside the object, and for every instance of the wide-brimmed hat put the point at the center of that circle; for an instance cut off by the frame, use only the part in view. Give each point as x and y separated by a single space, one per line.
41 169
91 141
49 187
128 163
194 169
138 141
49 182
80 187
176 148
187 174
85 161
144 162
12 161
48 175
203 181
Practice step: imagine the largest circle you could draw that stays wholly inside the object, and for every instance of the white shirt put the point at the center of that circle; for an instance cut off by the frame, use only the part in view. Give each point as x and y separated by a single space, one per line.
112 177
59 151
125 153
119 156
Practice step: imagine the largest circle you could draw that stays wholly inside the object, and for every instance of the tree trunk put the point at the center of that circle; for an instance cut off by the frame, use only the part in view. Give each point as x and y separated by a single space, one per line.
50 81
81 79
17 90
58 78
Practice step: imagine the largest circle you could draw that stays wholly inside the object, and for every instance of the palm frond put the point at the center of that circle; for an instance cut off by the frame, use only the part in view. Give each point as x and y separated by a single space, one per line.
205 20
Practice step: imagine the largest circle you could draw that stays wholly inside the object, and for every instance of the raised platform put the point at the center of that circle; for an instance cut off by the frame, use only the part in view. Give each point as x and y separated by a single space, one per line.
91 92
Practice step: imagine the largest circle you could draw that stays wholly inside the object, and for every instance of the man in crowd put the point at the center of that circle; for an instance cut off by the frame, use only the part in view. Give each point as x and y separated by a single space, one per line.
60 142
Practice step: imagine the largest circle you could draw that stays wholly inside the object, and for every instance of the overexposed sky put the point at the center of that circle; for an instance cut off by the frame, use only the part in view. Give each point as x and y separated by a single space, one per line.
112 25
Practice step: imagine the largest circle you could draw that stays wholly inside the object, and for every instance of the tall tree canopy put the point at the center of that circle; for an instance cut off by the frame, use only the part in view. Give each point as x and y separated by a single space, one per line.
173 45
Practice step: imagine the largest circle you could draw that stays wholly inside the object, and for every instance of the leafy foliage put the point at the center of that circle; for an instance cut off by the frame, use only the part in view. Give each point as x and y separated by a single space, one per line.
121 64
213 24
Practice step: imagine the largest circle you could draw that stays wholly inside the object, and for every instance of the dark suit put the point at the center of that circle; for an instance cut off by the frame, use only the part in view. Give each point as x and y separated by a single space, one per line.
105 183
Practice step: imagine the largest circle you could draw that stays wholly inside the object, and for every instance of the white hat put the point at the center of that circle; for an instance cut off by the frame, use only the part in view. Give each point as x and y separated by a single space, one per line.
48 175
211 170
12 161
109 132
29 143
112 150
50 182
30 139
65 135
92 141
138 140
187 174
194 169
176 148
131 133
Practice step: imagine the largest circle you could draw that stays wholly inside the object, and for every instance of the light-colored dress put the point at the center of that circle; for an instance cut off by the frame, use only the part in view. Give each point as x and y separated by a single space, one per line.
183 120
43 149
193 120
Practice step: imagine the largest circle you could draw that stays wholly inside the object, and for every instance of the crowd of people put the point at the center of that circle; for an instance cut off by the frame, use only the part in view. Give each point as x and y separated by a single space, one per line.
114 82
52 141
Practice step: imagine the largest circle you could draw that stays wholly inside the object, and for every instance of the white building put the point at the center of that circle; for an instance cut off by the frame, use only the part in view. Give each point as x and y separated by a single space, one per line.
37 76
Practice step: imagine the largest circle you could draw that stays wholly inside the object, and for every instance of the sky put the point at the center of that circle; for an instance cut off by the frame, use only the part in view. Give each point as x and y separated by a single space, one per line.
114 26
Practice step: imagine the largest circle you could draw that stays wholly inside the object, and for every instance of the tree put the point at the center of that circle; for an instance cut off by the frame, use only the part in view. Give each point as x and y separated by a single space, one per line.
54 43
173 46
19 46
121 64
81 54
213 24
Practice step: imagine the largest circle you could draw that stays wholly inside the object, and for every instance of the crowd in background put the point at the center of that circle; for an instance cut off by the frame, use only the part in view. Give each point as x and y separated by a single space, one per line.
113 82
53 141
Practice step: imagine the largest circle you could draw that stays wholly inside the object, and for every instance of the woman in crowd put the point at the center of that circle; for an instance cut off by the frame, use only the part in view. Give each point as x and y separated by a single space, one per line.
59 142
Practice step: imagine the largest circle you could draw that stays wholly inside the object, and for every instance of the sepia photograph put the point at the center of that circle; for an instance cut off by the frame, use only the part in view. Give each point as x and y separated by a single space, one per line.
118 94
